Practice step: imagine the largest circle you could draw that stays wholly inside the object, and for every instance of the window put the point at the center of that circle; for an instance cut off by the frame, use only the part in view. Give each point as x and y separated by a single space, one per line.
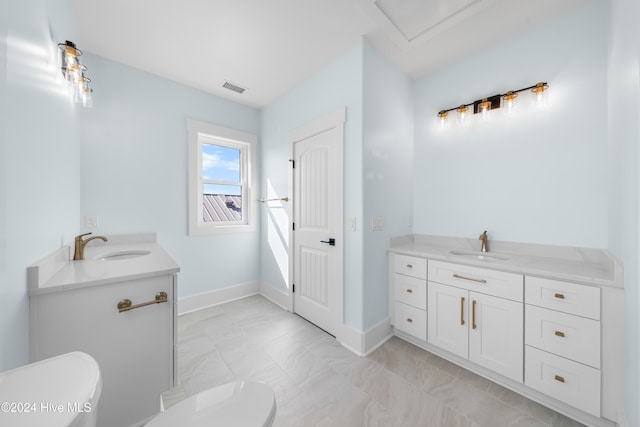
221 179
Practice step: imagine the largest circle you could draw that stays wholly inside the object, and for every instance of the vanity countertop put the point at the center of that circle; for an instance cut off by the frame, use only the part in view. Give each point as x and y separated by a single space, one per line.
586 265
58 272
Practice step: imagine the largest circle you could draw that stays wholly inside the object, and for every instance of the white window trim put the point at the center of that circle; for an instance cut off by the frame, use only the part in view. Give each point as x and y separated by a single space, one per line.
196 130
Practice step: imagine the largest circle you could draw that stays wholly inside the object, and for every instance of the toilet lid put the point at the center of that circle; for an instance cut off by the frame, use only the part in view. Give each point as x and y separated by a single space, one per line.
54 392
239 404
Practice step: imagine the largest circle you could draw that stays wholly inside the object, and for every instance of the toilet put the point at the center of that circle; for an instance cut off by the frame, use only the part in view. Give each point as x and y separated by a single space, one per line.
62 391
238 404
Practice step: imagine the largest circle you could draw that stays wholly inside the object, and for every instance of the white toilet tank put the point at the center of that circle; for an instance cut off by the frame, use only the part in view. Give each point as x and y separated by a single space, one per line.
62 391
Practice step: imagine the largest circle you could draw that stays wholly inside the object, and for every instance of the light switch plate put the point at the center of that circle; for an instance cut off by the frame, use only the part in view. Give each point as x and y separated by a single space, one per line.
377 223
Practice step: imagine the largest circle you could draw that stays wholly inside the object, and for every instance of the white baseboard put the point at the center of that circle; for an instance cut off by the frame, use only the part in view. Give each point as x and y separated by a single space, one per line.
364 343
360 343
276 296
218 296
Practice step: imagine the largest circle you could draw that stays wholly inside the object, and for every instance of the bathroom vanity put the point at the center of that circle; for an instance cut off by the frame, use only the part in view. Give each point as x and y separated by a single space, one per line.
118 305
543 321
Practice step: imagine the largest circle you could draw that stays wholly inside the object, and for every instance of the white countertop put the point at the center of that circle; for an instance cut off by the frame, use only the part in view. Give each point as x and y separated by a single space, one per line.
584 265
58 272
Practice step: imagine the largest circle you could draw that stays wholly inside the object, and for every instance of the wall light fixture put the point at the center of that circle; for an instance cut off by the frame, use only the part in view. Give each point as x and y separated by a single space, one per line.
73 73
484 105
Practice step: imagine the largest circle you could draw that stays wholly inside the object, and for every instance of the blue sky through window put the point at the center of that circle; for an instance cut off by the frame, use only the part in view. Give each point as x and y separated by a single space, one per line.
221 163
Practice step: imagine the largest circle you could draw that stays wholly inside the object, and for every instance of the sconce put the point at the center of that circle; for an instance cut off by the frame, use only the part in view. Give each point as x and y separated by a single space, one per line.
484 105
73 73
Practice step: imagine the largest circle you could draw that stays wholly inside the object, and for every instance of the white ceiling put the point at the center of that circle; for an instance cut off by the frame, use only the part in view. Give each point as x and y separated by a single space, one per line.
268 46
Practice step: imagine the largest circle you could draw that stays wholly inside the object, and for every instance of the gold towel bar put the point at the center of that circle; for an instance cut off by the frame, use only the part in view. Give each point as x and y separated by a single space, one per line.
126 304
286 199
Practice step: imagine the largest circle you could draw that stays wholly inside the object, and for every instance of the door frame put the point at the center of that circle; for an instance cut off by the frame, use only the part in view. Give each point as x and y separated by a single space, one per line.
330 121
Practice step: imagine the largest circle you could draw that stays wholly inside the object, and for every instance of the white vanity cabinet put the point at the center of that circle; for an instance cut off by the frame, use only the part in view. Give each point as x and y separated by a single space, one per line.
82 306
465 319
410 295
134 349
563 342
543 321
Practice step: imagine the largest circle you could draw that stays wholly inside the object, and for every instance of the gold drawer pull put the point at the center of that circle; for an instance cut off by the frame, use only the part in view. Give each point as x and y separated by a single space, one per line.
559 378
409 320
409 291
457 276
559 296
126 304
409 266
473 314
462 310
560 334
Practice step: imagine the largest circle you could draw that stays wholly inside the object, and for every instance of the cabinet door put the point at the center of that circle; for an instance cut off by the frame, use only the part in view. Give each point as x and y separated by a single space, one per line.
133 348
496 337
447 318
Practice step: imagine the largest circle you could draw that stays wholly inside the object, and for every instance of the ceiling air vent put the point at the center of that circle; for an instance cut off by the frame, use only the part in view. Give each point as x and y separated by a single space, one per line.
228 85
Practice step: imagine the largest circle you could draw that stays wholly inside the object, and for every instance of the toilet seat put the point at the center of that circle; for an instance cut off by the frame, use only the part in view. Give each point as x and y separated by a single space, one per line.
239 404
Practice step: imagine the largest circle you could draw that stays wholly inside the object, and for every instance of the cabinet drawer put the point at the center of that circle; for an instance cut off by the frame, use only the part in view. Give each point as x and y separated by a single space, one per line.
410 290
568 381
490 282
411 266
566 335
411 320
571 298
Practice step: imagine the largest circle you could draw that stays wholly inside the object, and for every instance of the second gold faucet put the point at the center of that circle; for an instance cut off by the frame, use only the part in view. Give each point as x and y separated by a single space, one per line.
78 253
485 242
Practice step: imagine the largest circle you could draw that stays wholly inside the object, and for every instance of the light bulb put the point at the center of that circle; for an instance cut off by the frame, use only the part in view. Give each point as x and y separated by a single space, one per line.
484 107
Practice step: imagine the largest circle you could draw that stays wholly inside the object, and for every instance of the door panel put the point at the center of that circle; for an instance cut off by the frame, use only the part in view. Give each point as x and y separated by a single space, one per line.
448 318
497 341
318 218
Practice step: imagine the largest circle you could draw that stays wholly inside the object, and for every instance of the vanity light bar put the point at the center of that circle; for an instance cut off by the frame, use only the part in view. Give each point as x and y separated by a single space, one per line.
73 73
484 105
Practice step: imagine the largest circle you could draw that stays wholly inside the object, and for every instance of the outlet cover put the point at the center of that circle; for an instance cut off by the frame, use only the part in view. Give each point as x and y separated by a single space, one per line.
91 221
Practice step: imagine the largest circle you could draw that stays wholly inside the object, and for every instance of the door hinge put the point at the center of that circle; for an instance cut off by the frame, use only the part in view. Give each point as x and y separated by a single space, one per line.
293 163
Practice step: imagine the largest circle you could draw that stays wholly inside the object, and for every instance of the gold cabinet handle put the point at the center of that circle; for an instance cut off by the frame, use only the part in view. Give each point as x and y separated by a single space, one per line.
559 296
457 276
409 266
473 314
126 304
409 291
560 334
409 320
559 378
462 310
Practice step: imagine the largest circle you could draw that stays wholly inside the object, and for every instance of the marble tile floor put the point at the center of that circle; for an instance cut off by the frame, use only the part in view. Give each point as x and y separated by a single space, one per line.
318 382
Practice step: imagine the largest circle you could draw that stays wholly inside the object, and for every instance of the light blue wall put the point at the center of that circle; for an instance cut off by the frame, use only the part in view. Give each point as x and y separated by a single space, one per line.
134 170
624 138
387 180
40 196
337 85
540 177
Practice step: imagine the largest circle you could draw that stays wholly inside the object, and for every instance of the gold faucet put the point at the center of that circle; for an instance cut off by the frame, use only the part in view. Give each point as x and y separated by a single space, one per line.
485 245
78 254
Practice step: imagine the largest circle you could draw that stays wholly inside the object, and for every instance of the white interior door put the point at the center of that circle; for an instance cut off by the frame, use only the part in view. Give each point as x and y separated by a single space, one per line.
318 221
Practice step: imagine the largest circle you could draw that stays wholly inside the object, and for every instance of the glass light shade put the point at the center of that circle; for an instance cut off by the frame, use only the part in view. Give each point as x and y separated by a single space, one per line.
509 102
442 119
483 108
540 94
463 115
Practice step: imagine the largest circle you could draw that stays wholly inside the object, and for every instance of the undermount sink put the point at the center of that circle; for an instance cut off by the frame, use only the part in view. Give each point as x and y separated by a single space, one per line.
116 256
481 256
